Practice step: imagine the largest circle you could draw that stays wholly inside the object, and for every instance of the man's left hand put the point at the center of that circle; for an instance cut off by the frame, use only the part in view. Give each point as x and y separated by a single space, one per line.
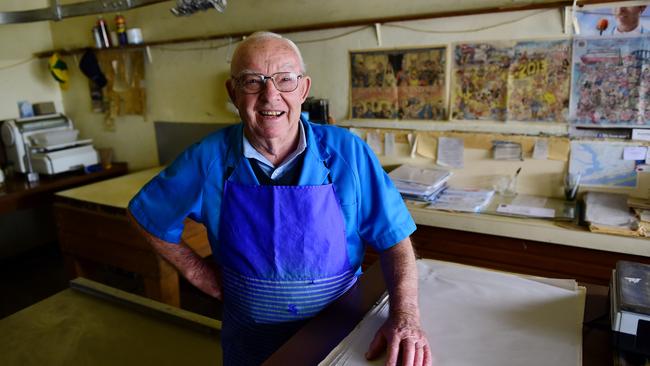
401 335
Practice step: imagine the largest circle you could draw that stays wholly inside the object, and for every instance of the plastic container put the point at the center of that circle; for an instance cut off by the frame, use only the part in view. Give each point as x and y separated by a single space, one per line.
134 36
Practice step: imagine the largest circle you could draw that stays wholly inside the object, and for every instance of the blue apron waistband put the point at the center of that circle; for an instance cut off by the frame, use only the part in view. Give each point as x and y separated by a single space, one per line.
266 301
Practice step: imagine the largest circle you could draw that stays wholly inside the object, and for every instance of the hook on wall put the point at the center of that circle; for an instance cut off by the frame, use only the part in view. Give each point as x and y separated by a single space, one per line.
378 33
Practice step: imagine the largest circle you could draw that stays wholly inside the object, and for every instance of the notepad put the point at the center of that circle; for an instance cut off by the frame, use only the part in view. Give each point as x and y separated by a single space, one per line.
463 200
419 183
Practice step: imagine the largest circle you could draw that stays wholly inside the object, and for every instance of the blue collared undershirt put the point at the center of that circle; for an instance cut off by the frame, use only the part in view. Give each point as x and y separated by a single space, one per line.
275 173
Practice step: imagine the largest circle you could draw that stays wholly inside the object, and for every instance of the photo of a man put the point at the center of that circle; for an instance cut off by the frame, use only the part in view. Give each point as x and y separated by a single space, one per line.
628 20
631 19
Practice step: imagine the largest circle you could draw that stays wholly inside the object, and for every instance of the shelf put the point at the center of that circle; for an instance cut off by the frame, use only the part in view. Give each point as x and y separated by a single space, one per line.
521 128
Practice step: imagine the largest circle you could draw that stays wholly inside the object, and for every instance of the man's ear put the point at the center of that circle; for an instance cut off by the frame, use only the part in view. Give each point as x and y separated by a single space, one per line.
305 88
230 87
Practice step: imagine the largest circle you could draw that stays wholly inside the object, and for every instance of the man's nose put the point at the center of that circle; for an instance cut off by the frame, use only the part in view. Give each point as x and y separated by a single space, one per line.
269 90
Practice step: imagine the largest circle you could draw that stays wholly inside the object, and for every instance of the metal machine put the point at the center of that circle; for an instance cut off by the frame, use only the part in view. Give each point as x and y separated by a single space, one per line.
46 145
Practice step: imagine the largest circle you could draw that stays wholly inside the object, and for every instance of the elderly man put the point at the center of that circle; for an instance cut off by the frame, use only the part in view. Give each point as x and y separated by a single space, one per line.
288 206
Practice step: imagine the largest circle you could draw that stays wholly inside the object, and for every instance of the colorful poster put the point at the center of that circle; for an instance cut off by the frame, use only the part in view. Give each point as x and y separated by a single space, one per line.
610 84
479 79
538 81
517 81
398 84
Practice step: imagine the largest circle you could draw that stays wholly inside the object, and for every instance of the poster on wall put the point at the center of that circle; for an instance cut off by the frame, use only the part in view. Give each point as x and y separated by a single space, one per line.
538 81
398 84
614 19
516 81
479 80
611 80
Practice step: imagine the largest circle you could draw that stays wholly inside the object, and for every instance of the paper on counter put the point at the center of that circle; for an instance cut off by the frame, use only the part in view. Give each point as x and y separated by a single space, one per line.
607 209
450 152
359 132
373 139
558 148
389 143
640 134
635 153
463 200
526 211
540 151
475 317
425 176
427 146
529 200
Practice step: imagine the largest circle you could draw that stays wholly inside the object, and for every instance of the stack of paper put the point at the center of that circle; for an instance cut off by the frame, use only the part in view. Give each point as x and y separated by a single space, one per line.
475 316
609 213
418 183
640 203
463 200
641 209
506 150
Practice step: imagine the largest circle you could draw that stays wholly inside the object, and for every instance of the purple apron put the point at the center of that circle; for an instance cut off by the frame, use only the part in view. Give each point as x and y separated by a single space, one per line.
284 257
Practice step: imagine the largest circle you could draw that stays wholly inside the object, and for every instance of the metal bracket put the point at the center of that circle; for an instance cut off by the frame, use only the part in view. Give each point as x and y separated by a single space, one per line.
56 11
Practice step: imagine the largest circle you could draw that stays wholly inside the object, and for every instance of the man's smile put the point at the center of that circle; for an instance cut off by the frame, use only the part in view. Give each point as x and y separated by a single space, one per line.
271 113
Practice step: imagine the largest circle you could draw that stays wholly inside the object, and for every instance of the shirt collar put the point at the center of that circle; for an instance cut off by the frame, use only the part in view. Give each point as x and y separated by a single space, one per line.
314 171
251 153
637 30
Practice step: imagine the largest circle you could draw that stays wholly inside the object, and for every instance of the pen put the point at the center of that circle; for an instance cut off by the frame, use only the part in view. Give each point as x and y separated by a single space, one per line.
517 172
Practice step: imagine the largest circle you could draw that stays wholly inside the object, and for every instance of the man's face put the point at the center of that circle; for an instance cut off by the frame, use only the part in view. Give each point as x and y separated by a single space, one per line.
269 114
628 15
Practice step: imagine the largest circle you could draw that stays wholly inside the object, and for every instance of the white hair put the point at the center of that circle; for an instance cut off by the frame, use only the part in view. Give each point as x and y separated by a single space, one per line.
263 35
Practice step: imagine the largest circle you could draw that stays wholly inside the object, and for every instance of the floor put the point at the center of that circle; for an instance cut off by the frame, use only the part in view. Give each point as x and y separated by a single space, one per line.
33 276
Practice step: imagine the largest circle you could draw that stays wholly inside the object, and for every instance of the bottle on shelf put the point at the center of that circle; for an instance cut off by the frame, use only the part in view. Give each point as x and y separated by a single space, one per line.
120 26
103 32
99 43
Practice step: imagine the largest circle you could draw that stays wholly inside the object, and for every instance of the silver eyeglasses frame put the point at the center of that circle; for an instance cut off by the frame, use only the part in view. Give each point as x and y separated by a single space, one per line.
263 78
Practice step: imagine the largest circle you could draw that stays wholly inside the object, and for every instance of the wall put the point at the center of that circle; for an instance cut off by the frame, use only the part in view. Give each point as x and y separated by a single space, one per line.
188 85
22 76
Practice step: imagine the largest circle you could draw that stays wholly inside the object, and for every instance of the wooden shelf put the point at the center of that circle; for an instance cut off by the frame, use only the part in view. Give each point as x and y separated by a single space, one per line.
17 194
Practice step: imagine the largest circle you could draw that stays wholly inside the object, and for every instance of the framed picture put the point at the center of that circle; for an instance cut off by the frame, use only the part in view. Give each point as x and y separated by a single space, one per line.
612 19
404 84
525 80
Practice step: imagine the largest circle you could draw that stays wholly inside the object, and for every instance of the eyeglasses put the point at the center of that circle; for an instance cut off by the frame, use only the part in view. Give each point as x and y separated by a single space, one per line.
254 83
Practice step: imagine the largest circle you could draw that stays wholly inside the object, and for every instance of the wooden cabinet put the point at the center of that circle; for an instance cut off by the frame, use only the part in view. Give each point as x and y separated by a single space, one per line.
91 235
516 255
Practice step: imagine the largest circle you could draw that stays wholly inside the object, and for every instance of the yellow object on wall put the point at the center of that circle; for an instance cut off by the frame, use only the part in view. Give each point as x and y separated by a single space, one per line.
59 70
